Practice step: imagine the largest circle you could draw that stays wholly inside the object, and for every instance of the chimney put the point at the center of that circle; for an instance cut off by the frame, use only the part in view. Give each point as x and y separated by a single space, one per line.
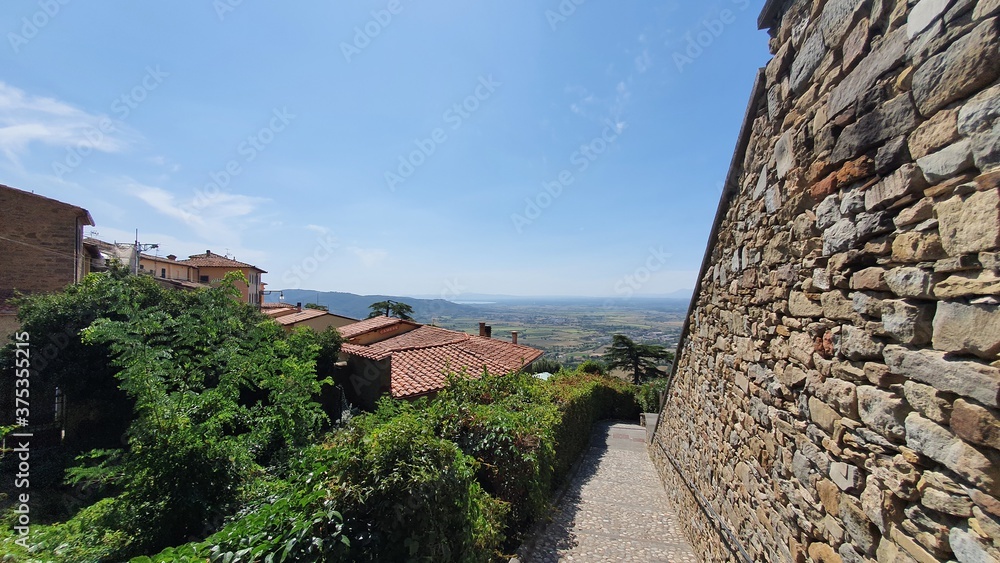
482 329
513 336
298 305
208 253
171 257
489 331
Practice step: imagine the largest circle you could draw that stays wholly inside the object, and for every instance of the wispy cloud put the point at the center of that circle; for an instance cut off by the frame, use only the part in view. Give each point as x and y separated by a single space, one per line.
221 218
26 119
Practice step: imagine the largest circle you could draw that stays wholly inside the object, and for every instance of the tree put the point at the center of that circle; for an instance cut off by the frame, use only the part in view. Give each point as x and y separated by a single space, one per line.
213 399
317 306
391 309
639 359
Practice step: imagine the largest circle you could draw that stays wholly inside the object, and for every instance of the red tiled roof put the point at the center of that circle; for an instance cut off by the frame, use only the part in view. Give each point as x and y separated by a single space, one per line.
368 325
299 316
212 260
422 357
423 337
165 260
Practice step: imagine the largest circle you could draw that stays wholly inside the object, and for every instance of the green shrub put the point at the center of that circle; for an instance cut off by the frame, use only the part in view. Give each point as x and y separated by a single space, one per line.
592 367
648 394
407 494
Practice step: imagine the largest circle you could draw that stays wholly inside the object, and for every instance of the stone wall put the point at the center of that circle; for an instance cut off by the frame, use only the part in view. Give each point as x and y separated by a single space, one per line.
837 387
40 242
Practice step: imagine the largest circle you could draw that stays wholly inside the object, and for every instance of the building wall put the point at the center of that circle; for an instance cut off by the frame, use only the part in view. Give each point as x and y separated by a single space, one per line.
215 275
837 388
48 256
174 271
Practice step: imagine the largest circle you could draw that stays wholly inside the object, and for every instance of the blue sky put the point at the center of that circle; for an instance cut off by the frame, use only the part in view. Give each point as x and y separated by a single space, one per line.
390 146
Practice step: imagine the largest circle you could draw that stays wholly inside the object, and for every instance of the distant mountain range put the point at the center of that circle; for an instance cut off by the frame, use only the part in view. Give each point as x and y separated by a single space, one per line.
356 306
427 310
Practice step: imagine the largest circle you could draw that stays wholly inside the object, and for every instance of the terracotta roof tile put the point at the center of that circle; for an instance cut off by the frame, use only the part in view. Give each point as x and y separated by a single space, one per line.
299 316
212 260
367 325
422 357
423 337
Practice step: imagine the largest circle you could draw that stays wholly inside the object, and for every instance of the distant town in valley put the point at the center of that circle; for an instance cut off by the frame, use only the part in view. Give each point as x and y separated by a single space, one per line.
569 330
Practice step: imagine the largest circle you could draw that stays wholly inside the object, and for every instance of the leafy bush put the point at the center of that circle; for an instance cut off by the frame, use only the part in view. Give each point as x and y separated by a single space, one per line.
220 401
592 367
583 398
648 394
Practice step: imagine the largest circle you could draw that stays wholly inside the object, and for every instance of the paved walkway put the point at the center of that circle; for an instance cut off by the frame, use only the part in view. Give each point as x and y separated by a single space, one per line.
614 509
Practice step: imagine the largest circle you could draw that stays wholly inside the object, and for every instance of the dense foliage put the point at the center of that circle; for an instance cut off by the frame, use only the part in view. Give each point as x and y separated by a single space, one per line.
227 459
217 398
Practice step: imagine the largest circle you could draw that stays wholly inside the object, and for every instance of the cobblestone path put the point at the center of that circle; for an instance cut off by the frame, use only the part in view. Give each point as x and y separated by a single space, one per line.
614 509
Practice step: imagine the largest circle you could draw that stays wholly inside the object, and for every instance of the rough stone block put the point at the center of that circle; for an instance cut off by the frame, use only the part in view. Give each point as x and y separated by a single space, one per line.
945 448
985 9
907 180
807 60
919 212
923 14
909 323
800 305
839 394
883 412
928 401
967 65
845 476
968 379
828 212
836 18
822 414
856 344
968 284
894 118
909 282
933 134
967 547
857 525
976 424
978 120
867 304
870 279
967 329
947 162
970 223
886 56
842 236
836 305
915 246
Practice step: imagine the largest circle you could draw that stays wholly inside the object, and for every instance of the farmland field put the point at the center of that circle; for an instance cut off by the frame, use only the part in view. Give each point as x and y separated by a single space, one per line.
573 330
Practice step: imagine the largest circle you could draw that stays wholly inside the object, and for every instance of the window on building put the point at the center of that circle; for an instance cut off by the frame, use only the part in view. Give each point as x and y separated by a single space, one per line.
163 272
203 279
